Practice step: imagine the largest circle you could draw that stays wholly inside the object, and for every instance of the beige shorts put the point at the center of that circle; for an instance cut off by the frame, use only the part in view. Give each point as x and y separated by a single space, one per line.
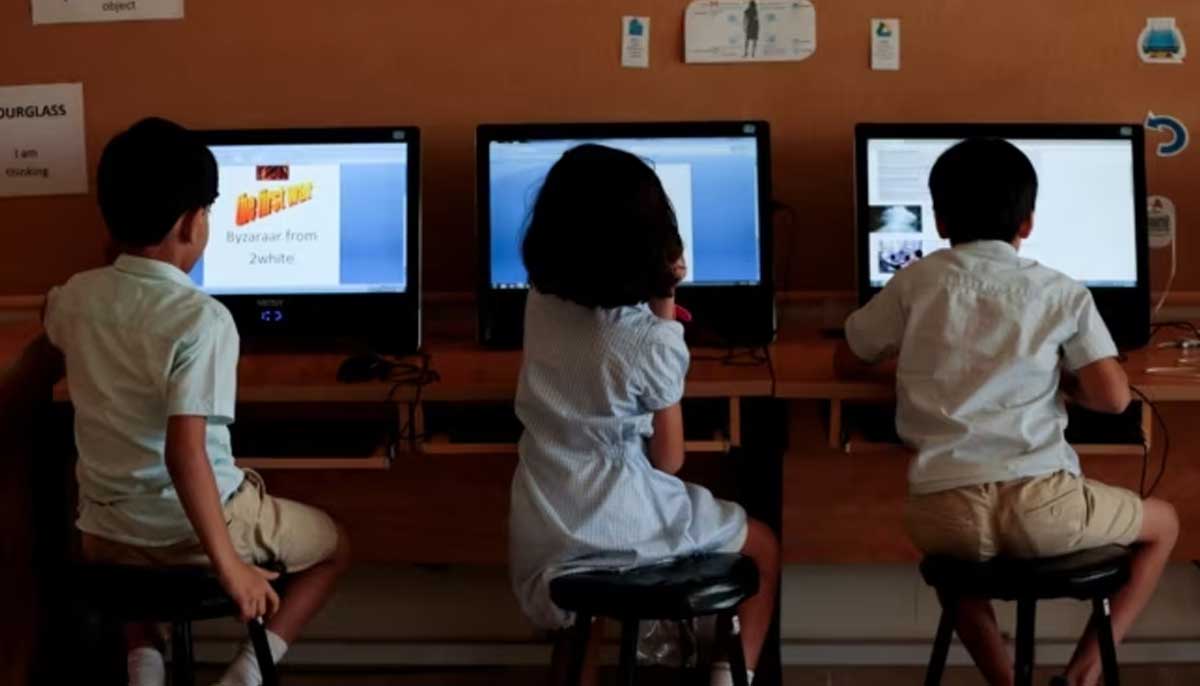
1038 517
266 531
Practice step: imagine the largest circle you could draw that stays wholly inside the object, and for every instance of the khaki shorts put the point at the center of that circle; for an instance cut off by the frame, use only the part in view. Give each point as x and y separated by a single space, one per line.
266 531
1038 517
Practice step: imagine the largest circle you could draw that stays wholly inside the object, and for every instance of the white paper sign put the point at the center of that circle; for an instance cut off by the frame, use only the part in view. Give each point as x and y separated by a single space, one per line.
635 42
749 31
885 44
76 11
1160 221
41 140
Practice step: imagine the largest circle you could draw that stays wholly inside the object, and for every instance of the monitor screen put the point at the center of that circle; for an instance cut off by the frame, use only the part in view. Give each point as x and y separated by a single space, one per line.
713 183
309 218
1085 223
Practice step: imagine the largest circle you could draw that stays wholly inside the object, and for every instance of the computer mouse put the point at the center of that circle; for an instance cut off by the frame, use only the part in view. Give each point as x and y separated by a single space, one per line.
361 368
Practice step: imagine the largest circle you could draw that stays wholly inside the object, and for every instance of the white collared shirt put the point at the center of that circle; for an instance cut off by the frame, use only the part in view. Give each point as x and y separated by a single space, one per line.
981 334
142 344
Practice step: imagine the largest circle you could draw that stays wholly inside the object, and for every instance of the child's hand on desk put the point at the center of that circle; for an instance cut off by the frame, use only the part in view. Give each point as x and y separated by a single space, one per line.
250 588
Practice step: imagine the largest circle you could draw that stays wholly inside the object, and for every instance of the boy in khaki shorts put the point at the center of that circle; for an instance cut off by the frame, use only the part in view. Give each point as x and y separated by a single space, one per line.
152 371
981 339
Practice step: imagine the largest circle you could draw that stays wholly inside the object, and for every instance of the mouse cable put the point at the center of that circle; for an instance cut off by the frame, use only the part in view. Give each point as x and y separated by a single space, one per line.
413 371
1143 491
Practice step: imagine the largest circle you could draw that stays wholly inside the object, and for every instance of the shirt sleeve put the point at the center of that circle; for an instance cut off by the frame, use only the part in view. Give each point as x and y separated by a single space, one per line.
874 332
203 376
664 364
1091 341
50 317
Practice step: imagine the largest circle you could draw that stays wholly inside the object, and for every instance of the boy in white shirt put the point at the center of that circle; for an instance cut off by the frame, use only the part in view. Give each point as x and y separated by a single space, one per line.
152 371
980 338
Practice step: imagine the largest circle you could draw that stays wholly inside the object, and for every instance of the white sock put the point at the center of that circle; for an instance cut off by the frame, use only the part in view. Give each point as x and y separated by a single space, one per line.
146 667
722 675
243 671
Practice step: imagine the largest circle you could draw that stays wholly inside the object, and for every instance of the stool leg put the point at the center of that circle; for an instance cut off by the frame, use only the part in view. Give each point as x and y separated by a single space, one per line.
182 669
726 631
629 643
1026 629
262 652
1102 620
941 644
577 658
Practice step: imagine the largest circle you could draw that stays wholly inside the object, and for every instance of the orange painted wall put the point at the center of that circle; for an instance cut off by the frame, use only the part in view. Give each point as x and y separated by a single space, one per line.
448 65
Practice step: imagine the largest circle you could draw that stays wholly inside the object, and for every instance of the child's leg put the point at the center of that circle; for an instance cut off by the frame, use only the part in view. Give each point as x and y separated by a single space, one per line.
756 614
980 634
307 591
1160 529
144 657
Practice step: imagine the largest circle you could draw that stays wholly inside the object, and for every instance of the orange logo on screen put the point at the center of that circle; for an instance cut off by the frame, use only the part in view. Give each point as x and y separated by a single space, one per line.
270 201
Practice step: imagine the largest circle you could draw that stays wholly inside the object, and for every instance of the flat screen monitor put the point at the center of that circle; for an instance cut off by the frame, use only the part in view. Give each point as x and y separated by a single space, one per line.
315 234
717 176
1089 222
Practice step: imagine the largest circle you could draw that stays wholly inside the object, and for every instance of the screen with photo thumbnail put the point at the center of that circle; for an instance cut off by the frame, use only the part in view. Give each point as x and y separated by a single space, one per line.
1085 224
308 219
712 184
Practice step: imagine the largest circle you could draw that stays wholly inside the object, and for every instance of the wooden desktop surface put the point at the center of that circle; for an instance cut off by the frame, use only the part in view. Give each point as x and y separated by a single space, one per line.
838 508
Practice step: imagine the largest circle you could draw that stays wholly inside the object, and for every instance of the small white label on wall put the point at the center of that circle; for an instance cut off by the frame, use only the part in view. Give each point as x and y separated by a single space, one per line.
1160 221
885 44
77 11
635 42
41 140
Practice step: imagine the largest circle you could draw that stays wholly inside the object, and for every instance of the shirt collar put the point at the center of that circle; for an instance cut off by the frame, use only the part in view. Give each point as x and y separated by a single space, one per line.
153 269
995 249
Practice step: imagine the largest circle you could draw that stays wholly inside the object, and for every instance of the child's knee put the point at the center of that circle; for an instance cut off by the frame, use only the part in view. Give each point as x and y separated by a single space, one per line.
762 545
1160 521
341 553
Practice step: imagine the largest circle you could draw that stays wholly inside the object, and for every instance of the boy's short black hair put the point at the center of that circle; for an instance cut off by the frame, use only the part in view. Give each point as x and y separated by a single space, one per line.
603 232
983 189
149 176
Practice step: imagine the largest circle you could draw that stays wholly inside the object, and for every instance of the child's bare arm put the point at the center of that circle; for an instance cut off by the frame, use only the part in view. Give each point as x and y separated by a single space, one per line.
192 475
666 445
1101 386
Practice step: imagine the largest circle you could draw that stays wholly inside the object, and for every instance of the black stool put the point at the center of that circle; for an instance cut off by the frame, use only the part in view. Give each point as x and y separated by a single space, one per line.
680 590
1093 575
174 595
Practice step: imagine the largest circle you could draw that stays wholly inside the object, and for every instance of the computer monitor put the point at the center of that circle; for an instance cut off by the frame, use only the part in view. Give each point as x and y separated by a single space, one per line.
1090 220
717 175
315 235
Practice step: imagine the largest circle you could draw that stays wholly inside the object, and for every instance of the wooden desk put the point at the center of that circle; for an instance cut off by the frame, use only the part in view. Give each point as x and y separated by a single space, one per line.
841 508
431 506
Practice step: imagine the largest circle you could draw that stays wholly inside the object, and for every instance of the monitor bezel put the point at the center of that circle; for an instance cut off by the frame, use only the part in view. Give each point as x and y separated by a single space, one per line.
499 306
389 322
1125 309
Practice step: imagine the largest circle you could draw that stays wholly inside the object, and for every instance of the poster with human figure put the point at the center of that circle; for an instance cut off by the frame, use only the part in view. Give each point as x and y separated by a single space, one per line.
750 31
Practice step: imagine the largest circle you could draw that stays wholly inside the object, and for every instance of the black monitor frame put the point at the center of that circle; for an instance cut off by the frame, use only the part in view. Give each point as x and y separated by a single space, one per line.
1125 310
723 315
386 322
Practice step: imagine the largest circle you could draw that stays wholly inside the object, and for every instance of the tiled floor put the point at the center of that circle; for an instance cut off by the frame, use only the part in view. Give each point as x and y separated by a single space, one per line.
1174 675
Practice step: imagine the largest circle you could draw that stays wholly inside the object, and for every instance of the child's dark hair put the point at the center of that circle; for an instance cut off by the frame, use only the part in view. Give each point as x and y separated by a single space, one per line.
603 232
149 176
983 189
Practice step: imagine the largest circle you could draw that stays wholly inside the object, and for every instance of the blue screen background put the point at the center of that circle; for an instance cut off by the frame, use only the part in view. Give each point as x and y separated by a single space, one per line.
374 217
724 213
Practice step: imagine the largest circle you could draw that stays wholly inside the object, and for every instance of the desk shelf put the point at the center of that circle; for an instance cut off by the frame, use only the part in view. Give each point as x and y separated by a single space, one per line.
271 436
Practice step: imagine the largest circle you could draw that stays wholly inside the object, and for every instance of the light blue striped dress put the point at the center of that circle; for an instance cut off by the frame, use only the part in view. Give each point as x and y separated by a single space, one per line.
585 494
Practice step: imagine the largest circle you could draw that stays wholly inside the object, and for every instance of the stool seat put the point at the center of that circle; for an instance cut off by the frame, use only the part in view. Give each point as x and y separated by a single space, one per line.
172 595
154 593
680 589
1088 574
